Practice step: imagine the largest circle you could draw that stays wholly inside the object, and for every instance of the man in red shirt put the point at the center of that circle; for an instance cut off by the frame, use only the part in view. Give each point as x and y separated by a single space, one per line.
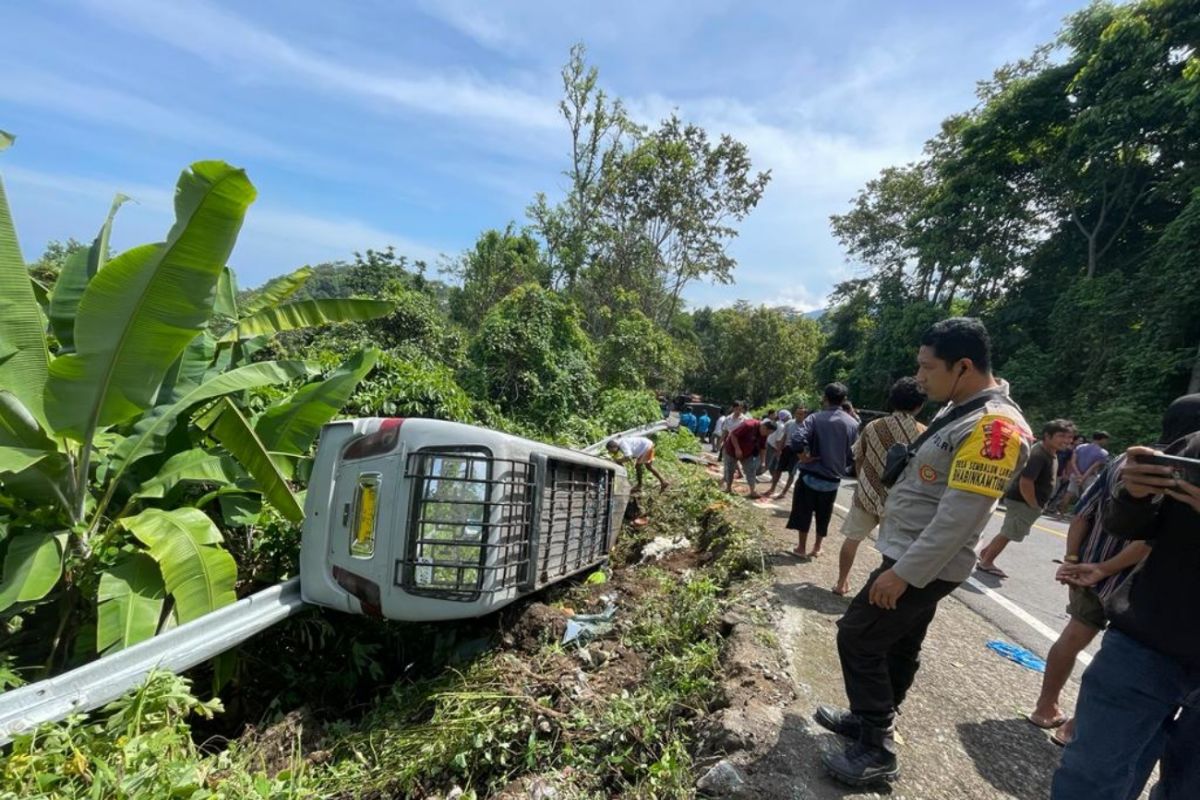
744 445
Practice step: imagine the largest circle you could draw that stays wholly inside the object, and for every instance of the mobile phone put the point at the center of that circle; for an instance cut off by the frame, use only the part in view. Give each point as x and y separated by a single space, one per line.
1184 469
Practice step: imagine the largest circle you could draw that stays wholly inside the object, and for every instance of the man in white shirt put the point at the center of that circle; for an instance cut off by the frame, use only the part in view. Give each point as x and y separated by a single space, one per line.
640 451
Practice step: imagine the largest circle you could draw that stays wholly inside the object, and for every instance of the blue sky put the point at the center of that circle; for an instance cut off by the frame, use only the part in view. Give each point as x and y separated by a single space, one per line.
420 124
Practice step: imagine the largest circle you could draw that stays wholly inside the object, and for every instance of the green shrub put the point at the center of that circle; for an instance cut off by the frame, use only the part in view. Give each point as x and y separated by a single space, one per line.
533 361
622 409
403 388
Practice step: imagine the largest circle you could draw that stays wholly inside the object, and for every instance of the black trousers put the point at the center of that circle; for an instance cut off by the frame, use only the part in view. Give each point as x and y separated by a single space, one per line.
880 650
806 502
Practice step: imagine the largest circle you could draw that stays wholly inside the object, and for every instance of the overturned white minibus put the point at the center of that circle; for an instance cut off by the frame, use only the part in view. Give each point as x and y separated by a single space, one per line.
419 519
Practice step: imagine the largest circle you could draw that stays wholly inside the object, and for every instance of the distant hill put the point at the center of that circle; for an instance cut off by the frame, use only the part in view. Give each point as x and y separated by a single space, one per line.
817 314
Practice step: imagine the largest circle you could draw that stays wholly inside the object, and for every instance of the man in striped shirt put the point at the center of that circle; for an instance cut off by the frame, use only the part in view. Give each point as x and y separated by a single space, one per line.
870 453
1095 566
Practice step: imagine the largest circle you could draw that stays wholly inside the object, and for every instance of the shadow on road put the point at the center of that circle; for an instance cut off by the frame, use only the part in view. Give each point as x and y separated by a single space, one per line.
792 769
812 597
1011 755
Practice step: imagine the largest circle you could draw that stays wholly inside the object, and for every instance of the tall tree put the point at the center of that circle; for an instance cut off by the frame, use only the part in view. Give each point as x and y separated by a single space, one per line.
499 262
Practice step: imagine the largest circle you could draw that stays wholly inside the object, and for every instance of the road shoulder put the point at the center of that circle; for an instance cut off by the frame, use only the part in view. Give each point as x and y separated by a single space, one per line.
963 729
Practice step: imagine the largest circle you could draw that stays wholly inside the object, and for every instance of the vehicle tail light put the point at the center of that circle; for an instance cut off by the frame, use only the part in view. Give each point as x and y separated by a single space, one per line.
382 440
367 591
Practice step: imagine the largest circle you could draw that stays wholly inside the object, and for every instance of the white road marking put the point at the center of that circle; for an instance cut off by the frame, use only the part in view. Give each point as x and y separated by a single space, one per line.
1084 657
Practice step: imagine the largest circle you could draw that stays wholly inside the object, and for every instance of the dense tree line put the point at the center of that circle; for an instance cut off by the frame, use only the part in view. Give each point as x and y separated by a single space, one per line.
1063 209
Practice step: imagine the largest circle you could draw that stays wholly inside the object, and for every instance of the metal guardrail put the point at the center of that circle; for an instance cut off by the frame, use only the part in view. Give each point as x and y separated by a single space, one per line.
109 677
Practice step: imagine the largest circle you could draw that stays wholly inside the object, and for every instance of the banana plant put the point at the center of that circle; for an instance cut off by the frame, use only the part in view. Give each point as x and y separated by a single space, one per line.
97 432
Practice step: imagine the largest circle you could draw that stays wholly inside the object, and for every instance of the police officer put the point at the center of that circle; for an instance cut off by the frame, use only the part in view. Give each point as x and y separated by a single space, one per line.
931 523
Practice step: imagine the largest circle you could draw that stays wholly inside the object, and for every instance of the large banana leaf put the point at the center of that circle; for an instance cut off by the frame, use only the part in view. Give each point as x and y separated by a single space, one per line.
18 459
140 311
19 429
240 509
189 369
32 565
232 431
190 466
306 314
225 304
278 290
130 603
40 293
150 433
24 359
198 573
291 426
76 272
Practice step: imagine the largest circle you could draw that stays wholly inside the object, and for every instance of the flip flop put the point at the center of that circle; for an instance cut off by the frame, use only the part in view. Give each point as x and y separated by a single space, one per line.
1058 739
800 554
839 593
991 570
1047 726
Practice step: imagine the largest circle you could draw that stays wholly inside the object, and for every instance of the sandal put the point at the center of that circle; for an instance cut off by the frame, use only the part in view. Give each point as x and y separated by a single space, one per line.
839 592
1047 725
991 569
800 554
1058 739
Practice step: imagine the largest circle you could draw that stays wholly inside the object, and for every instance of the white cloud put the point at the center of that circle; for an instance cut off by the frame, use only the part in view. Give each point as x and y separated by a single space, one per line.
786 240
273 238
231 43
478 22
334 237
111 107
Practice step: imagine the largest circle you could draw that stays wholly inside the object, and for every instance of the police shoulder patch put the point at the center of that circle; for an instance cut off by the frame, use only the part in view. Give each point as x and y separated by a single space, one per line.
985 461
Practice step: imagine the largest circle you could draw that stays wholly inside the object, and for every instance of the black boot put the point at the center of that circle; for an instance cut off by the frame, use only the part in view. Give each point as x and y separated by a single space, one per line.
839 720
869 760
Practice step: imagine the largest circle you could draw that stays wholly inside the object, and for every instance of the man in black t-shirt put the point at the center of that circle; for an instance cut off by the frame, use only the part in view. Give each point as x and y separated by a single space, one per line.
1139 701
1028 493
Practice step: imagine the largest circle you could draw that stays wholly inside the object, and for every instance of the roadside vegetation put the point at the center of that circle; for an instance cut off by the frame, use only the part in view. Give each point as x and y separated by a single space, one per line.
613 716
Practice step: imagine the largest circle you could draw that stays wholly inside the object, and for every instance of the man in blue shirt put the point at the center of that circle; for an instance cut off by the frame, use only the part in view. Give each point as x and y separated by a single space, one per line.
827 437
703 425
1090 459
688 420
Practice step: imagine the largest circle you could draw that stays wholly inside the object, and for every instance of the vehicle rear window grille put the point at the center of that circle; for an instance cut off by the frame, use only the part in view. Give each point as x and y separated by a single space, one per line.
574 519
469 524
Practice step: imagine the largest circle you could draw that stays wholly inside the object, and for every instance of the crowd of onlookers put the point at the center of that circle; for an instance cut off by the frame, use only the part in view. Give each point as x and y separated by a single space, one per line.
1131 561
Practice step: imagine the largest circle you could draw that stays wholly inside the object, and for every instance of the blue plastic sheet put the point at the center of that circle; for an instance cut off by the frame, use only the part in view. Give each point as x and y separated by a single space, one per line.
1018 655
